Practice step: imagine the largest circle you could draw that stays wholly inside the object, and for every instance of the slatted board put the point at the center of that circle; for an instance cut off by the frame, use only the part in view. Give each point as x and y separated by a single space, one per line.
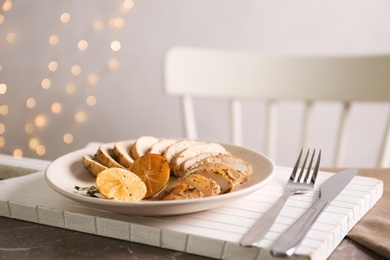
214 233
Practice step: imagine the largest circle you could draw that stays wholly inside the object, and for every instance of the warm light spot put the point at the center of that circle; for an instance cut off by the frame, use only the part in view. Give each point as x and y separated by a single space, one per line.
7 5
3 110
53 66
91 101
3 88
30 103
93 79
113 64
46 83
80 117
53 39
29 128
98 26
11 37
40 121
65 17
70 89
76 70
116 22
18 153
2 129
40 150
2 142
68 138
33 143
82 45
128 4
1 19
56 107
115 45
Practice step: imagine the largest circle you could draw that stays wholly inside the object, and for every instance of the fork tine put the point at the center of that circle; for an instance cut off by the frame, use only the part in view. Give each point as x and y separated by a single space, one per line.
303 165
309 167
294 172
316 169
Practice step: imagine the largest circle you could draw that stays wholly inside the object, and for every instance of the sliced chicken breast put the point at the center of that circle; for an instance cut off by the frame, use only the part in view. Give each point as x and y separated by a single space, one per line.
237 163
160 146
176 148
192 151
142 145
206 185
104 155
121 153
225 176
91 165
180 191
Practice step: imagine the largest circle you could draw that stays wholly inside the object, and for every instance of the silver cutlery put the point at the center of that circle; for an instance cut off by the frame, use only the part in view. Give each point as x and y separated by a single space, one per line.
297 184
287 243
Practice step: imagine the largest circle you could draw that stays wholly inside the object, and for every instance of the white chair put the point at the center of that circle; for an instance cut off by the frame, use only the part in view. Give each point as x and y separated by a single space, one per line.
235 75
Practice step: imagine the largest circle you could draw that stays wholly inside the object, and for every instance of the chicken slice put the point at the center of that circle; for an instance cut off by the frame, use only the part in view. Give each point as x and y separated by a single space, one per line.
91 165
237 163
225 176
192 163
142 145
104 155
180 191
121 153
206 185
176 148
160 146
192 151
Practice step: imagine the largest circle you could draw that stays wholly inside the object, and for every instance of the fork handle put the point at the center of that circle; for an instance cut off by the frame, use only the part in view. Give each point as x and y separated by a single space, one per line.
286 244
263 225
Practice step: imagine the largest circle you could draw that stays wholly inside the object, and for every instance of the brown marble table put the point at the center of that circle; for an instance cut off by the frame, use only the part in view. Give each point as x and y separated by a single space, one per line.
25 240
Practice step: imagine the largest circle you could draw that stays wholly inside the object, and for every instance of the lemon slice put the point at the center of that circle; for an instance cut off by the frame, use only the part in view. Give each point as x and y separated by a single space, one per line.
154 171
120 184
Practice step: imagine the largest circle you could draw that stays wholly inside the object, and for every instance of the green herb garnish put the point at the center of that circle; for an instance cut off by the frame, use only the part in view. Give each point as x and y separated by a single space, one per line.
91 191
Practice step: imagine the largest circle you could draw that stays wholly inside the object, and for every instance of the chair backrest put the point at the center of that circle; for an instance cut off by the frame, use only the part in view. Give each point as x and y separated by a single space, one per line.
235 75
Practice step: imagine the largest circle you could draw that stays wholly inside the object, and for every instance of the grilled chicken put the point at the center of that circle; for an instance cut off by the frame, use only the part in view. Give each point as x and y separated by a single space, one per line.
176 148
192 151
121 153
91 165
104 155
142 145
233 161
201 186
225 176
160 146
180 191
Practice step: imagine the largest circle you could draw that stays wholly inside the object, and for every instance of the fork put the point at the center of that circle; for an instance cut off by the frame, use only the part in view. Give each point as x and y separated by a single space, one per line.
295 185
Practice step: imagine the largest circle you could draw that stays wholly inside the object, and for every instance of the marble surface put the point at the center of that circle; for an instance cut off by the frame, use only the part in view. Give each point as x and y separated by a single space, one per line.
26 240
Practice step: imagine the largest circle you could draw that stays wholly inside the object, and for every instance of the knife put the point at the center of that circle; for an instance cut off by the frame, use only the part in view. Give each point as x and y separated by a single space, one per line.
286 244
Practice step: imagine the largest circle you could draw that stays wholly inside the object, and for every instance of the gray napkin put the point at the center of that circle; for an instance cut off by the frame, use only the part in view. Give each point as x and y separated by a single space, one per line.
373 230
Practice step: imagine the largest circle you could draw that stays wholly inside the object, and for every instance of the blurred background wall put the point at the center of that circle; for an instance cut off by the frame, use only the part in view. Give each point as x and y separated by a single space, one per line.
73 72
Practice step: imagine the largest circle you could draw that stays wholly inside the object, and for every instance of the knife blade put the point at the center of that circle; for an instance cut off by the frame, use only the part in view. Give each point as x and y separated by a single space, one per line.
286 244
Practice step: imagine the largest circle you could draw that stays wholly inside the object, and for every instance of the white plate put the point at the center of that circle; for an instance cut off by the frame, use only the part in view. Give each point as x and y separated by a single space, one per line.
66 172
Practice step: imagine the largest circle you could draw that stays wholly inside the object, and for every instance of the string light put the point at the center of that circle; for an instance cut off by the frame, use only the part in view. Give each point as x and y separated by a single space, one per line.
3 88
30 103
115 45
76 70
18 153
46 83
41 118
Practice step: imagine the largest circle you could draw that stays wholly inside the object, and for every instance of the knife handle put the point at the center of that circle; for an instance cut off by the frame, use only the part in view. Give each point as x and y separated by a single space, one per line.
263 225
286 244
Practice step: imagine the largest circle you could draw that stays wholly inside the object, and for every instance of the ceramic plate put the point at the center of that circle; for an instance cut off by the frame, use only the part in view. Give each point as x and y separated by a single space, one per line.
66 172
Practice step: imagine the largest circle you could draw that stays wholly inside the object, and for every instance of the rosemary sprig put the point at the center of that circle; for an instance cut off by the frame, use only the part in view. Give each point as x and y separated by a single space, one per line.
91 191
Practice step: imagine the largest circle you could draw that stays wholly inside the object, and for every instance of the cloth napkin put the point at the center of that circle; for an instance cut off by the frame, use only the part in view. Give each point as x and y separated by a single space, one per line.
373 230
